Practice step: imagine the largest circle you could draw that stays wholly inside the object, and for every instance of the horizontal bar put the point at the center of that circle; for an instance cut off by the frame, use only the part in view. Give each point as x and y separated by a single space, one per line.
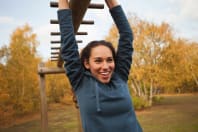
55 53
87 22
54 60
55 48
83 22
58 42
78 33
96 6
55 42
45 70
91 6
54 57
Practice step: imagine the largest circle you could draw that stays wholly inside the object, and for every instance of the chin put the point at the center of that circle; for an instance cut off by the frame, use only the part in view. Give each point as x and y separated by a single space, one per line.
104 81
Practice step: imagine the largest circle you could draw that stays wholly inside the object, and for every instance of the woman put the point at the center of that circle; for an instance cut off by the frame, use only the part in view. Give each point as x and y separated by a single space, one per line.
99 77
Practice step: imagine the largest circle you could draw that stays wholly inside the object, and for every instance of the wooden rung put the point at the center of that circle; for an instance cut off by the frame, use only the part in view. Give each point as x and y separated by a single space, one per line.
58 42
92 5
79 41
54 53
53 4
55 33
55 48
54 22
78 33
55 42
96 6
90 22
55 57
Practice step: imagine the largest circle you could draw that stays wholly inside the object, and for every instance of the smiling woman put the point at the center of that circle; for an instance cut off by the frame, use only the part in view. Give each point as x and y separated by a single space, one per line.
99 75
98 57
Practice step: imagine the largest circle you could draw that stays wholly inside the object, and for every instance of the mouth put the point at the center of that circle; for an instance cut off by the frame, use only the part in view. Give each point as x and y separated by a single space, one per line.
105 75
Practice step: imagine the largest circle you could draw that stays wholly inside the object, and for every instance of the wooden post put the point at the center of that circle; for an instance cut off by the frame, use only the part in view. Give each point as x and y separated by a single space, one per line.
44 118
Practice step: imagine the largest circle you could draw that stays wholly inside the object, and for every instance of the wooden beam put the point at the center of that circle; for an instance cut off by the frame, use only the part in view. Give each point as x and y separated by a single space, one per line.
54 60
46 70
96 6
78 33
58 42
79 8
55 48
54 53
54 57
87 22
91 5
90 22
44 116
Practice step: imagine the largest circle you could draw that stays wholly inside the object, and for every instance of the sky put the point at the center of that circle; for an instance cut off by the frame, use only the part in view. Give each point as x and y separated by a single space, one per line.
180 14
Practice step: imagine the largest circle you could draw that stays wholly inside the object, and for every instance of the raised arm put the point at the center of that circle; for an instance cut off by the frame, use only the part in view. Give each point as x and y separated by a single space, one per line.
69 49
125 48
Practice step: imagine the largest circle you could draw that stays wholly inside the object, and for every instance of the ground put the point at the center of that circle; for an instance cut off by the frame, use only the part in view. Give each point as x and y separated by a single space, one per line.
175 113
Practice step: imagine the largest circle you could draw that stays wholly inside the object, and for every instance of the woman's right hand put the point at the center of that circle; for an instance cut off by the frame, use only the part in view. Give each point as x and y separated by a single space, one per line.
63 4
112 3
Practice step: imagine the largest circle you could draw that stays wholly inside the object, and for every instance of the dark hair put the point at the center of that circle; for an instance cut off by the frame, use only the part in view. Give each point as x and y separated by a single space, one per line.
85 53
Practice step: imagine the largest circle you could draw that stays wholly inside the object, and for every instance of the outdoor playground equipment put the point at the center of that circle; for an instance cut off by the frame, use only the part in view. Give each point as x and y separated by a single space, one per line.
79 8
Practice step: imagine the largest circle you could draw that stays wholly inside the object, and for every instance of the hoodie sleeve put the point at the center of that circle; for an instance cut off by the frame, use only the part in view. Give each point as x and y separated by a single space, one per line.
125 47
69 49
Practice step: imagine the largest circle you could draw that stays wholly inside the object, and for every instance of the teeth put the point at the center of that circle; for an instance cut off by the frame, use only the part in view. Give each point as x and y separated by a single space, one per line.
105 73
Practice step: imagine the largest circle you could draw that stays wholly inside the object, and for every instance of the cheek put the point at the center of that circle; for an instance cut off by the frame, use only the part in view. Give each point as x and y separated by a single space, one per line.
94 67
112 66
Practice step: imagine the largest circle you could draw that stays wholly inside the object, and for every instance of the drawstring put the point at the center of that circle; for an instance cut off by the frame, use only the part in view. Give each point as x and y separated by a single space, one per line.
97 98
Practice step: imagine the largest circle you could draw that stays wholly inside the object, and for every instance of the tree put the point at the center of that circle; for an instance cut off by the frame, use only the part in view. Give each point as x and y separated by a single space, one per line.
21 70
150 40
179 64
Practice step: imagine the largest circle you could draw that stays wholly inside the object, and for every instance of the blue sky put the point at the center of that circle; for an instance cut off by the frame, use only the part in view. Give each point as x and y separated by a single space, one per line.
180 14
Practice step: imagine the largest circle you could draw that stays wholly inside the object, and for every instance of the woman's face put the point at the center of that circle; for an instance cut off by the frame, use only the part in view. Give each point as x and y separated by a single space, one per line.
101 63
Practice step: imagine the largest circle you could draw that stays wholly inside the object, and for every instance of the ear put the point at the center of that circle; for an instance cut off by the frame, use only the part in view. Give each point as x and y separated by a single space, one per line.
86 64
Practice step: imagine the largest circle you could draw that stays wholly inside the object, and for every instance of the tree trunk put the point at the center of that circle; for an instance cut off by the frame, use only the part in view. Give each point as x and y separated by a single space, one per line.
133 88
137 87
151 92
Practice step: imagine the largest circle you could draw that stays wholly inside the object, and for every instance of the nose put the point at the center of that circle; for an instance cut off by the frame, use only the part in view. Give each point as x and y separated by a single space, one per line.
105 65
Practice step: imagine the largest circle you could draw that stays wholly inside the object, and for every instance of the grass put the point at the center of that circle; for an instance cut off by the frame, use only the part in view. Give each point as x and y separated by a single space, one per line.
175 113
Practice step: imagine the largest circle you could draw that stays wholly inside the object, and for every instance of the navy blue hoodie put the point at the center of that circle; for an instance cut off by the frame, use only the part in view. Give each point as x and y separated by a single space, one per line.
103 107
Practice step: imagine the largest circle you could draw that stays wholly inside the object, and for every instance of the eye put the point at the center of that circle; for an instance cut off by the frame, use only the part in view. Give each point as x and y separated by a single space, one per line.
110 60
98 60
